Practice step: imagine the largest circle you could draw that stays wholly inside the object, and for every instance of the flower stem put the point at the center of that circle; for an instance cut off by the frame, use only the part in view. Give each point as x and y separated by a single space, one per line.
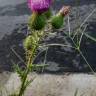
22 89
30 58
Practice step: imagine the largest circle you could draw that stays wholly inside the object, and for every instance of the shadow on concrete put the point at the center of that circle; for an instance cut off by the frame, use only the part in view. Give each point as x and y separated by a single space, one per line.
9 42
60 59
22 9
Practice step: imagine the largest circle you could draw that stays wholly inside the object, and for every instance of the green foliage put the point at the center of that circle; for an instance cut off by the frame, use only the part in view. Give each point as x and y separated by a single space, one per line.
57 21
76 92
37 21
36 66
19 71
29 42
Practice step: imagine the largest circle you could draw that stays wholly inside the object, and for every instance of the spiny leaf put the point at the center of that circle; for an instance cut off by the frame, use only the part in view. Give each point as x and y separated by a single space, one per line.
36 66
19 71
28 82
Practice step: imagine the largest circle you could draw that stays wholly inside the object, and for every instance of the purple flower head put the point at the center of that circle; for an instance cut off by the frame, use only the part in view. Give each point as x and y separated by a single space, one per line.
39 5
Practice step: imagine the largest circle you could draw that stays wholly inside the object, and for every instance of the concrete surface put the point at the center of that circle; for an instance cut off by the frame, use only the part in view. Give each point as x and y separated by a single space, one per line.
54 85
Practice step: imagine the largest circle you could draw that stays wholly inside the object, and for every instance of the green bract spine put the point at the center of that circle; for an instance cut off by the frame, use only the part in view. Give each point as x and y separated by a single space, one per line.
37 21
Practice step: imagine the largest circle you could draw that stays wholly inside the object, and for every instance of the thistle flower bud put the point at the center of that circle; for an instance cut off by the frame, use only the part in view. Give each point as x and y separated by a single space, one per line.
57 21
28 43
37 21
64 10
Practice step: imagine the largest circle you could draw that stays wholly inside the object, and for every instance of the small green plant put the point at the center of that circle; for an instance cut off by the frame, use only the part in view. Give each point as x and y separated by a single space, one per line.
40 20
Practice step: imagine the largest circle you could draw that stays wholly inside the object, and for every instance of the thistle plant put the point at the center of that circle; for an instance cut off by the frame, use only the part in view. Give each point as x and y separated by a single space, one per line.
39 20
